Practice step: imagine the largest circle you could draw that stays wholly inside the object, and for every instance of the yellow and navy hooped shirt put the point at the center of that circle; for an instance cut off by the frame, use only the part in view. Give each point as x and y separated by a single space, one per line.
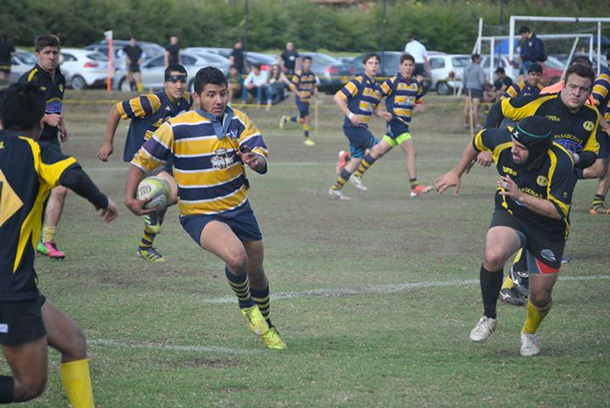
551 180
574 131
28 172
54 93
521 88
211 177
402 94
305 83
601 94
147 113
362 95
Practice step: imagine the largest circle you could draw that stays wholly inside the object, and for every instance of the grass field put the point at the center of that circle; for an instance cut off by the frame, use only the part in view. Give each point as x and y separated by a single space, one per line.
375 297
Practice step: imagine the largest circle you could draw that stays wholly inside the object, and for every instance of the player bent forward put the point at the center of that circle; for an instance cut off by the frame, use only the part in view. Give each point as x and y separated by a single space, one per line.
210 146
532 205
28 321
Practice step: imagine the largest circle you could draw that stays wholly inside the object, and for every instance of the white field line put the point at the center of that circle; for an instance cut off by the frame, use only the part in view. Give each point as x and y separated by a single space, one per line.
166 347
271 164
385 289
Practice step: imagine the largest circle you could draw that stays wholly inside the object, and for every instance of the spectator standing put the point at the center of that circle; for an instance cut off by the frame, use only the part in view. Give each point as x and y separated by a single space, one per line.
532 49
172 52
134 53
474 82
7 50
255 83
290 60
419 52
237 57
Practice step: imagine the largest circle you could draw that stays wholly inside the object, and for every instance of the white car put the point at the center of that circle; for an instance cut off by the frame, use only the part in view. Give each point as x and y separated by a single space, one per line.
20 64
153 71
446 71
83 68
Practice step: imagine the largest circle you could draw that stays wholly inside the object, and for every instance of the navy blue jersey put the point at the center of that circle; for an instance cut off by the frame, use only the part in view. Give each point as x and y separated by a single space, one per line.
402 94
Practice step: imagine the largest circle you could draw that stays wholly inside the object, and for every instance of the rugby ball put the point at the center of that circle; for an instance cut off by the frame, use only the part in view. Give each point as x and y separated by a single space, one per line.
155 189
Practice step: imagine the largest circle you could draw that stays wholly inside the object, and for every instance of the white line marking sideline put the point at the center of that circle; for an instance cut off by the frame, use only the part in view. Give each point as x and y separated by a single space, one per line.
165 347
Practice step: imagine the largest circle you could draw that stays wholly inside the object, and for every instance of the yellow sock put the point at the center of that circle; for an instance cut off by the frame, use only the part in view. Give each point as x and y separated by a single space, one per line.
48 233
77 383
508 283
139 86
535 316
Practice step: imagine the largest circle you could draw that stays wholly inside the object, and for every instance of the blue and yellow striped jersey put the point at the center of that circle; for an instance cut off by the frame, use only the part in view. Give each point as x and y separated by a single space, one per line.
402 94
28 172
211 178
147 113
601 94
362 95
521 88
305 83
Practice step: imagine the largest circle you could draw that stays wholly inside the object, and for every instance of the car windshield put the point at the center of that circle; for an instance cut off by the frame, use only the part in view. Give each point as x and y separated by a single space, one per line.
26 57
97 56
323 59
459 62
390 63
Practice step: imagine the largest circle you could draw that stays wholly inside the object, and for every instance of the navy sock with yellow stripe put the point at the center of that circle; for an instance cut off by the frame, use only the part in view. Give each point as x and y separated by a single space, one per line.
598 200
341 180
263 301
241 288
306 129
365 164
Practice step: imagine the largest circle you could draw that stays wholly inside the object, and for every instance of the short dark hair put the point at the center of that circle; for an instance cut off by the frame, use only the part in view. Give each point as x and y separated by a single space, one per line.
407 57
581 70
208 75
307 57
534 68
22 106
369 56
257 66
475 56
43 41
581 59
524 29
500 70
174 68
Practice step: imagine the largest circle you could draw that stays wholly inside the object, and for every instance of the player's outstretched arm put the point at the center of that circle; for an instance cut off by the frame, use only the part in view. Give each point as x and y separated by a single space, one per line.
540 206
136 206
113 122
78 181
453 177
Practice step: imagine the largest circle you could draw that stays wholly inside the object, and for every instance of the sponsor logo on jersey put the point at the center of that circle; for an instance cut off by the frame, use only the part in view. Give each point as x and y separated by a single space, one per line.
588 125
542 181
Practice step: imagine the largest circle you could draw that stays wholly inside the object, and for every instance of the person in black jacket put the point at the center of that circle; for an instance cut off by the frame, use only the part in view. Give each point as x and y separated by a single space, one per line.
532 49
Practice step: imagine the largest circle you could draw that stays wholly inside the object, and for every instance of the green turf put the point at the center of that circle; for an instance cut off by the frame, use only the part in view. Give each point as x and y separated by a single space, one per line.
374 348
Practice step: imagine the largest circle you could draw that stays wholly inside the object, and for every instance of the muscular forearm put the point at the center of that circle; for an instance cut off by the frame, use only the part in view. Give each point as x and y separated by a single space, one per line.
134 177
79 182
469 154
540 206
113 123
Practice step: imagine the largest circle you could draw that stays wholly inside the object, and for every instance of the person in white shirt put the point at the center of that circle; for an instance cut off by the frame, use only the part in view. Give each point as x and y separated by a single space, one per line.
255 84
419 52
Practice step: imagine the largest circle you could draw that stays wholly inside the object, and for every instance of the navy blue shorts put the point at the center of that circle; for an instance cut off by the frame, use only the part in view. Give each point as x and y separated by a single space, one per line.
396 128
241 221
360 139
604 144
303 108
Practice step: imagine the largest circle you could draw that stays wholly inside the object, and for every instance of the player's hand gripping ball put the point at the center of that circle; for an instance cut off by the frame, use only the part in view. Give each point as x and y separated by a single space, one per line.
155 189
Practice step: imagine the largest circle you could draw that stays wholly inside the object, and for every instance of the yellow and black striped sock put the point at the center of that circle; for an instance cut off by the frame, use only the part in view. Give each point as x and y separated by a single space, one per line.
147 240
306 129
535 316
598 201
263 301
241 288
341 180
76 380
413 182
364 165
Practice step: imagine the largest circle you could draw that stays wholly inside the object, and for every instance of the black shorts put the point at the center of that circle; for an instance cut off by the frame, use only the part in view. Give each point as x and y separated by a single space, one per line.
21 321
134 68
419 70
303 108
546 249
475 93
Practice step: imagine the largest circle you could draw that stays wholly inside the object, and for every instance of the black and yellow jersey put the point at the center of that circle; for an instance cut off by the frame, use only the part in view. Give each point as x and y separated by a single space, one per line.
574 131
551 180
521 88
305 83
601 94
54 94
28 172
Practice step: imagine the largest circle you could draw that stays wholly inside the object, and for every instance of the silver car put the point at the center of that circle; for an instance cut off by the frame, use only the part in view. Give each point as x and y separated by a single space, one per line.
20 64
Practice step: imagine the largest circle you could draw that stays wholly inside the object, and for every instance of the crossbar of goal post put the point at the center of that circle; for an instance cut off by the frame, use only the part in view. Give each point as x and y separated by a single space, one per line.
599 21
492 40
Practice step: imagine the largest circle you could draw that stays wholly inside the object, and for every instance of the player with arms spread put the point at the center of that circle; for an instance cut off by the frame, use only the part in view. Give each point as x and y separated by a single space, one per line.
532 206
28 321
210 146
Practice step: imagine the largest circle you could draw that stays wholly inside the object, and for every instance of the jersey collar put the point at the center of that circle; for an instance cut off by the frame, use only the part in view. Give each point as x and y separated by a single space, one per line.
220 128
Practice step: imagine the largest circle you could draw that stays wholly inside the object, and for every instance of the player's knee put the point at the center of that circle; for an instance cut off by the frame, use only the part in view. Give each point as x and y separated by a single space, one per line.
237 261
27 389
494 259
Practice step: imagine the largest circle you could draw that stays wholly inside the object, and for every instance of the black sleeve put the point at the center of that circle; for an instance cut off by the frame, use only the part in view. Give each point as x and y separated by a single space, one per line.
495 116
78 181
587 158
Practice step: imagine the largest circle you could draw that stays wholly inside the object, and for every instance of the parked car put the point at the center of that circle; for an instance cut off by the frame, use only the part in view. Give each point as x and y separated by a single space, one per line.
319 62
512 68
20 64
266 61
153 71
213 59
446 71
83 68
552 71
337 75
150 50
224 52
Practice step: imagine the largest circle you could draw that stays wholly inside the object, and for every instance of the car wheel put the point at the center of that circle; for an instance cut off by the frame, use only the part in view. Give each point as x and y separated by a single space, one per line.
443 88
78 83
124 85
